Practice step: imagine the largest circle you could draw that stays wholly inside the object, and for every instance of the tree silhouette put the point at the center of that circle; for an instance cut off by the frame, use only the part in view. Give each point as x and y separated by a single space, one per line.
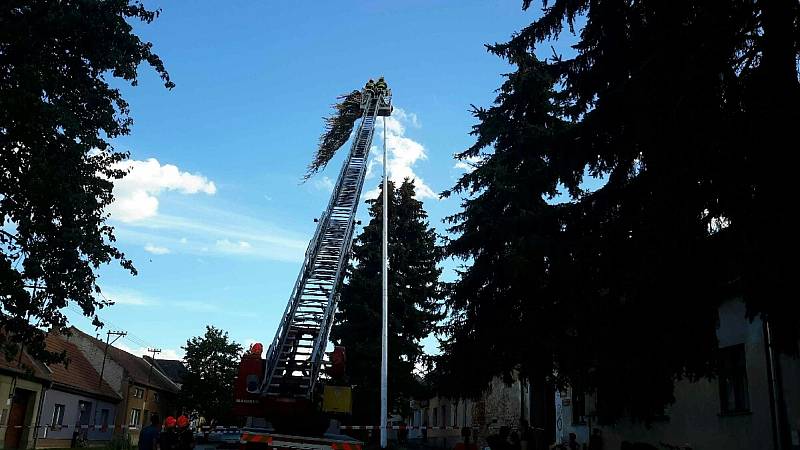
684 108
414 302
212 362
57 167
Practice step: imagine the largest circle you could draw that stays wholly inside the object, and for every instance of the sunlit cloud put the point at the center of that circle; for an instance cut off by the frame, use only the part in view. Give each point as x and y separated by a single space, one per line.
136 195
155 249
403 154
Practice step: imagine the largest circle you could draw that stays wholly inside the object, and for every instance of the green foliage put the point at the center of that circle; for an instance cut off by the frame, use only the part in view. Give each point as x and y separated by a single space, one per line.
57 114
684 108
414 302
337 130
121 442
212 362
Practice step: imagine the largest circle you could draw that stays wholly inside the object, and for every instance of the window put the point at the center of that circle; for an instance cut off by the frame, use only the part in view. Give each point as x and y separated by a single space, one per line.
578 408
252 383
58 417
135 416
84 412
155 397
733 391
138 392
435 417
103 420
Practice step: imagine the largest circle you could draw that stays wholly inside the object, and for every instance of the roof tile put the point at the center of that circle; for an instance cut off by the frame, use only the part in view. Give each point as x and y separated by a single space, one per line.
78 373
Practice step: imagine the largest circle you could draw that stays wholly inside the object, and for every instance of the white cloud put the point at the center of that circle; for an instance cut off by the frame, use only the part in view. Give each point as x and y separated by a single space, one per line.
155 249
228 246
136 195
166 353
324 184
214 231
407 117
128 297
468 164
404 153
169 353
135 298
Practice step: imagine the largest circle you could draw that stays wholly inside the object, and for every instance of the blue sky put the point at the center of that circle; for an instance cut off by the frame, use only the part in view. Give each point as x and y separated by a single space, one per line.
214 214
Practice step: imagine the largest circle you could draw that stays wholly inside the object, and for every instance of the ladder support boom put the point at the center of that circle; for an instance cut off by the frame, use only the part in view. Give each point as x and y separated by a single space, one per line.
295 357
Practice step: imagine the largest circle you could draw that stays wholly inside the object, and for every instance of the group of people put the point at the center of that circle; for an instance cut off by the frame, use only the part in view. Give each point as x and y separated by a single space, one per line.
176 434
526 439
376 86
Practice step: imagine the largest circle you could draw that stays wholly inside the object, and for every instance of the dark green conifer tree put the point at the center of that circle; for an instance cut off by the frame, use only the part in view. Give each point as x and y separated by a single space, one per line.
685 108
414 302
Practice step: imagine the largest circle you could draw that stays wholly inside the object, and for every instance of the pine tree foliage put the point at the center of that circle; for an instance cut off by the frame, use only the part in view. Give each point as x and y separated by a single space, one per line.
414 302
338 128
212 362
686 109
57 167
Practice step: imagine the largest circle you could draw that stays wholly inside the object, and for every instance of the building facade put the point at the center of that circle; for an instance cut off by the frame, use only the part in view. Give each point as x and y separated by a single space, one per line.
79 405
501 405
23 383
143 388
753 404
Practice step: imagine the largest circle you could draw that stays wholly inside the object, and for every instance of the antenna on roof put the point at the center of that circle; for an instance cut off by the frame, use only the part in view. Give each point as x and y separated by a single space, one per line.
117 335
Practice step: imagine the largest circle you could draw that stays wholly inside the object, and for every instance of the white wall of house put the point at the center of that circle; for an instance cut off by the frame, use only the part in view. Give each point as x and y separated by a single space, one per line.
697 417
500 405
71 403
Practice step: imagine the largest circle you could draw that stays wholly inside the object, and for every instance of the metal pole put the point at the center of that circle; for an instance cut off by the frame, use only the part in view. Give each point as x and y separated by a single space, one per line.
385 296
154 351
105 353
118 335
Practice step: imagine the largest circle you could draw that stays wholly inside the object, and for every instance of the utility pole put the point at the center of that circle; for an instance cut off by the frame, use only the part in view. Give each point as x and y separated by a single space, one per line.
385 298
154 351
117 335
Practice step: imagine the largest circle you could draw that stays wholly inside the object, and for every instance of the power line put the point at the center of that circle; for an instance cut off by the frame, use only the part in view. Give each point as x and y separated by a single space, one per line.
132 338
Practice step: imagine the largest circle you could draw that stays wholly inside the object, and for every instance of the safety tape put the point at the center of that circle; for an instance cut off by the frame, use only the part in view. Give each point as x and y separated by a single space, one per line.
222 429
256 438
345 446
82 427
395 427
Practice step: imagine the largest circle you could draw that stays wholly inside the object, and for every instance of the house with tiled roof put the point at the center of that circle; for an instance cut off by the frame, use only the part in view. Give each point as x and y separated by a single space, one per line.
78 404
144 389
172 368
23 381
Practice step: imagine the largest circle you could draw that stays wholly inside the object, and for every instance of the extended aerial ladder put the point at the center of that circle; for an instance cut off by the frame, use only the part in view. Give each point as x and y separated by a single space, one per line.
294 360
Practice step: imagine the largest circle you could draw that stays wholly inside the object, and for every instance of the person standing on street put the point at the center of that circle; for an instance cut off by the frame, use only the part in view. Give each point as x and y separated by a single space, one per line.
185 439
168 437
525 435
573 442
149 437
596 440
